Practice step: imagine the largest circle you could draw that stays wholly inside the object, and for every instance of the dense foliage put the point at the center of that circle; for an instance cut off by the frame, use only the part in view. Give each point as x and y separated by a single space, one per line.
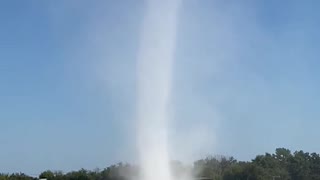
282 165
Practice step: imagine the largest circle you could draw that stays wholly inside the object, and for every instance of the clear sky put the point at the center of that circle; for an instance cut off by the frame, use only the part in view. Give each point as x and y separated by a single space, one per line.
246 76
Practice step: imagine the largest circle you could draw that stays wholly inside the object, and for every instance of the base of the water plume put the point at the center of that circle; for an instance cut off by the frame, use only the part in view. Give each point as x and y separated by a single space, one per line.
156 168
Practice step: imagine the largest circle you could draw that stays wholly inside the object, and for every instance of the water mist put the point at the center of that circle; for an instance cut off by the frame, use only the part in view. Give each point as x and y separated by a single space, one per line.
154 66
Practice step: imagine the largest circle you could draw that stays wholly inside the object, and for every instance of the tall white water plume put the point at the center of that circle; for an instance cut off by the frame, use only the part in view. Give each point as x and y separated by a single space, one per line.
154 66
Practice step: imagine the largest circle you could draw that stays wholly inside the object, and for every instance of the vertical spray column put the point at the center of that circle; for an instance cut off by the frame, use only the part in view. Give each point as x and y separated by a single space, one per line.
154 66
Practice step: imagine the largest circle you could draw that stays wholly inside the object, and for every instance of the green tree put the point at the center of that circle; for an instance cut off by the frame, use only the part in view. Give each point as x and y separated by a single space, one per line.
49 175
299 166
314 166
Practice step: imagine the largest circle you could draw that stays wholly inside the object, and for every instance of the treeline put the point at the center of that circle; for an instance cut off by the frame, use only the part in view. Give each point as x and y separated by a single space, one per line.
281 165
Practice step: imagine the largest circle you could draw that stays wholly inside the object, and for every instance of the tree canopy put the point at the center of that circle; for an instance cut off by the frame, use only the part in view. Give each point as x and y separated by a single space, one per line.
281 165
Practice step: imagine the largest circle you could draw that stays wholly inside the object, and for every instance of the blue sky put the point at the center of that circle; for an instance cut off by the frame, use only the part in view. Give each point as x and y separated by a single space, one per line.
245 72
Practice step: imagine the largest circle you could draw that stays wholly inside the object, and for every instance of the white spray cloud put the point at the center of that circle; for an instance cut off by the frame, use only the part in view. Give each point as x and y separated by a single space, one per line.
155 60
